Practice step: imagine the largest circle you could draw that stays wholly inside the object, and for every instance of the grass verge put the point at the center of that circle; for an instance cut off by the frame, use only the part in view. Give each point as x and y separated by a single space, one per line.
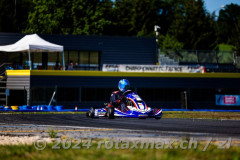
23 152
204 115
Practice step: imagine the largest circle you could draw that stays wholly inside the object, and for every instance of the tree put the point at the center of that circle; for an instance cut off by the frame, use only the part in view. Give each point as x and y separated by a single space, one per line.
227 23
138 17
170 42
144 16
121 18
90 18
69 17
50 16
235 38
14 15
193 26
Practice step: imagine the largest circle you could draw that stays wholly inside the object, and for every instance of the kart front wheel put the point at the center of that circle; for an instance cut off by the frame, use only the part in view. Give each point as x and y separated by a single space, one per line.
91 112
110 113
159 116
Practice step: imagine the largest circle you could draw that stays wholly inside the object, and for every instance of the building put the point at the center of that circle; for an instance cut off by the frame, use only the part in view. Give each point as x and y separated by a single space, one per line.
88 86
88 52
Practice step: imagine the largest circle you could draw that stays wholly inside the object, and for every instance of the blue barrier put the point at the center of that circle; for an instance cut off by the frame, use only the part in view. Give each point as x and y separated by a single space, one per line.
58 108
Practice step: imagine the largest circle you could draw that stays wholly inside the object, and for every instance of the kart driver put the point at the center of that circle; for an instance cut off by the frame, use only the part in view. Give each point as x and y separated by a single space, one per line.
117 98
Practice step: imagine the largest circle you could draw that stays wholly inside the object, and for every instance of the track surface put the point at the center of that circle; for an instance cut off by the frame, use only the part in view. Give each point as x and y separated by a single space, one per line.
219 127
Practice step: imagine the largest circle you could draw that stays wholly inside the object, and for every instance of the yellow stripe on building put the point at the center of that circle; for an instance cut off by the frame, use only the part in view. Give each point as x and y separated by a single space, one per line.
18 72
119 74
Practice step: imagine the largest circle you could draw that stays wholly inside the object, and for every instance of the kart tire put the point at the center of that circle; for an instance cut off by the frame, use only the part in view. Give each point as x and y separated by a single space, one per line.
155 109
110 113
87 114
91 112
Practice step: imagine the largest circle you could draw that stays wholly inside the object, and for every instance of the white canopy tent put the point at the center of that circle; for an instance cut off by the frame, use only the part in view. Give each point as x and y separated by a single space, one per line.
33 43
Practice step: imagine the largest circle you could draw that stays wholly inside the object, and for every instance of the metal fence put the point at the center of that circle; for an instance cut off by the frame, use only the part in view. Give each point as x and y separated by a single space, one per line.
201 56
237 62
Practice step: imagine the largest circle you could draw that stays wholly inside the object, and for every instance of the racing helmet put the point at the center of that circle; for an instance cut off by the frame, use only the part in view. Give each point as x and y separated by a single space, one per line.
123 85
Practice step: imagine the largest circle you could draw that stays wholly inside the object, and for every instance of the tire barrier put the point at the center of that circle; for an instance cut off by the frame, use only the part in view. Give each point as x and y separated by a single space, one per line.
38 108
14 108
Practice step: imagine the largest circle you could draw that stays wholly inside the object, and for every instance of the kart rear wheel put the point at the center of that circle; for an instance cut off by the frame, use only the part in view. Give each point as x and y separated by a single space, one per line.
87 114
91 112
110 113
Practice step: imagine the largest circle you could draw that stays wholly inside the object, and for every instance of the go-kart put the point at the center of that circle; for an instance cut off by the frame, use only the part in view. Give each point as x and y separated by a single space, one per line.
136 108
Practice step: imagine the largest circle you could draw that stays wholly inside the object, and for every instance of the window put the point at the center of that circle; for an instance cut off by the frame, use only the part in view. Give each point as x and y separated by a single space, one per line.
45 60
19 60
83 60
53 57
94 59
73 56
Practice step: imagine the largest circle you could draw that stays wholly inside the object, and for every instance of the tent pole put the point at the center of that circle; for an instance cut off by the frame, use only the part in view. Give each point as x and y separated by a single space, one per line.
30 63
63 59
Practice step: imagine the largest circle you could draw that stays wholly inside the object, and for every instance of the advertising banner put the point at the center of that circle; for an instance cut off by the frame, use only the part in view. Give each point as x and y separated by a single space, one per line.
151 68
228 100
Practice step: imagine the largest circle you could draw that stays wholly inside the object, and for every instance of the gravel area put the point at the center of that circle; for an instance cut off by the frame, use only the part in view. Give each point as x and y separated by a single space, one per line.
20 140
12 134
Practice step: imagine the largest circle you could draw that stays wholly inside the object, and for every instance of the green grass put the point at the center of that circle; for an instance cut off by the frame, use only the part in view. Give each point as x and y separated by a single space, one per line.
23 152
52 133
204 115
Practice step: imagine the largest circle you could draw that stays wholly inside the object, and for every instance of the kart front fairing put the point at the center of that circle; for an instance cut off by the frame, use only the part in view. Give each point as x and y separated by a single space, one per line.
136 107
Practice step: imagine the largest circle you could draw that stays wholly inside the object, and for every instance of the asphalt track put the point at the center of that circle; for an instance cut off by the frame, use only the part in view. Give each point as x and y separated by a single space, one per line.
169 125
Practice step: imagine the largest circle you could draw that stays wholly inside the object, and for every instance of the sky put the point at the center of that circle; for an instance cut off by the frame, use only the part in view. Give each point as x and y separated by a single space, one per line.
215 5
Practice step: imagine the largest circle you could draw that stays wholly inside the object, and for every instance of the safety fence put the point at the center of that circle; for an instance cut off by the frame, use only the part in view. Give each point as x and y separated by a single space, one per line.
201 56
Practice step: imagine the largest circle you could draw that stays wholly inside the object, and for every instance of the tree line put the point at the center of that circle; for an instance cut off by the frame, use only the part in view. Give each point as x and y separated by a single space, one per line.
185 24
